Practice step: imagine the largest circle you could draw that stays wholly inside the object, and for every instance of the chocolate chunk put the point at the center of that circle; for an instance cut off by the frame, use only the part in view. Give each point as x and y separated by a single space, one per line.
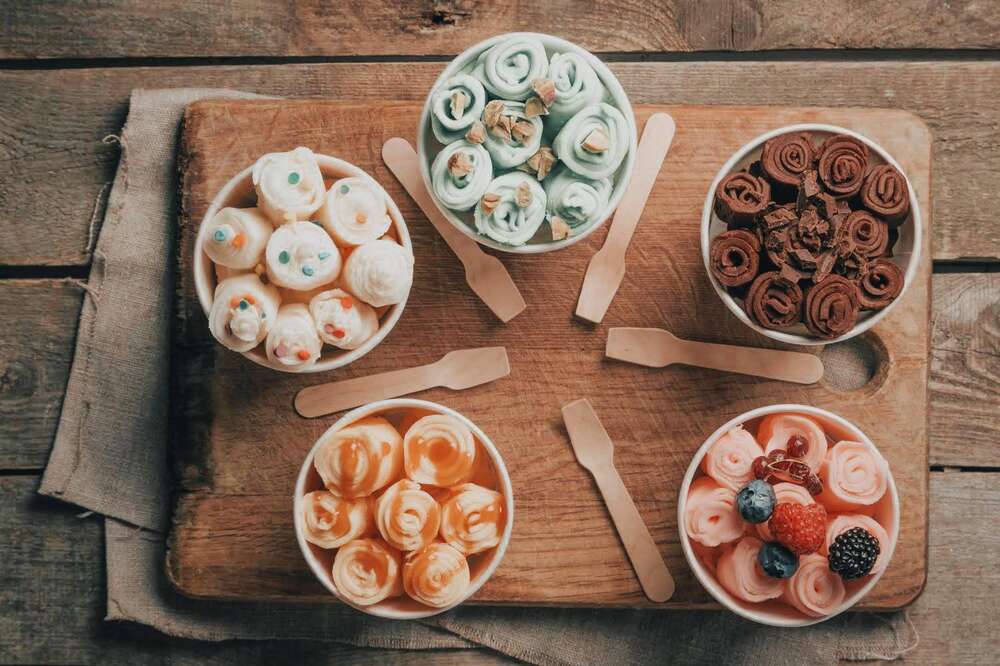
777 218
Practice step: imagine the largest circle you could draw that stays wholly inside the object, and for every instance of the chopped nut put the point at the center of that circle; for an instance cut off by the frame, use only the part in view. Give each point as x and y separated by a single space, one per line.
522 195
492 113
546 89
476 133
541 163
458 101
504 128
596 142
522 131
459 164
560 229
535 107
489 202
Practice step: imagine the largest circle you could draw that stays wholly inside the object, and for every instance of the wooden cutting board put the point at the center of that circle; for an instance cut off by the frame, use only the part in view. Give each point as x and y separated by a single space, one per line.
238 444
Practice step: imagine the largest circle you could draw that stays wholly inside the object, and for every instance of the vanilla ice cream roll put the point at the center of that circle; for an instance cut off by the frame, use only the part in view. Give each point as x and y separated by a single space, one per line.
289 185
577 85
354 211
407 517
342 320
455 106
517 211
366 571
437 575
332 521
243 311
302 256
439 450
472 518
292 343
236 237
379 272
594 142
460 174
360 459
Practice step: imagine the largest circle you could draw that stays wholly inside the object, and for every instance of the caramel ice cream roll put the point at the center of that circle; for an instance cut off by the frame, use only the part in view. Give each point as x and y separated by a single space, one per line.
289 185
354 211
332 521
342 320
814 590
236 237
710 515
472 518
292 342
776 430
367 571
360 459
439 450
738 572
730 459
437 575
379 272
243 311
855 476
407 517
302 256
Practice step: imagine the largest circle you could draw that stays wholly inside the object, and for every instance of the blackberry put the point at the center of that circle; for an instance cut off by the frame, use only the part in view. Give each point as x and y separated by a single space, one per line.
853 553
756 501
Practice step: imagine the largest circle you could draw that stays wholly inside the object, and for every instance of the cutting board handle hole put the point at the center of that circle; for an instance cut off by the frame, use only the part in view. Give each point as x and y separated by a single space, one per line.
861 363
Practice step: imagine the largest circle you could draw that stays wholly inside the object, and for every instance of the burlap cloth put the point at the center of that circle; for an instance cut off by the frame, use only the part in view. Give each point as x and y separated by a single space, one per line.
110 456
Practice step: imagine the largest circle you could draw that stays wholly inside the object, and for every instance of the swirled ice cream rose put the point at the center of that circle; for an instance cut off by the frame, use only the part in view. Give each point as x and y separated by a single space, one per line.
839 523
360 459
814 589
301 256
236 237
332 521
785 493
292 343
776 430
730 459
437 575
342 320
578 201
457 104
855 476
710 514
512 209
511 136
741 575
243 310
460 174
354 211
472 518
289 185
577 86
594 142
439 450
379 273
508 67
407 517
366 571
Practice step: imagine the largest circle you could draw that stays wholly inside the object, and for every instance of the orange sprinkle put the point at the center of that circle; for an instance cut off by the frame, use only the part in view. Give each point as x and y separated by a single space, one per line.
239 240
250 299
234 301
339 333
347 302
302 354
360 218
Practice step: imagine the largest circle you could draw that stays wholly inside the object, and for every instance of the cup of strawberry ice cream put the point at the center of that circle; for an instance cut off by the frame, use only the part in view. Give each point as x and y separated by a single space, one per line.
803 566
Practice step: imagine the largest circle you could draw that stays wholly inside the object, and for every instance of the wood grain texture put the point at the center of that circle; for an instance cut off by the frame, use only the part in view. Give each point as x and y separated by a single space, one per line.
965 372
232 533
55 166
36 349
131 28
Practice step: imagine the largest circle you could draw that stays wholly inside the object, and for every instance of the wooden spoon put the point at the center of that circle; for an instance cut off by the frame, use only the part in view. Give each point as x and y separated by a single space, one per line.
595 450
656 348
486 275
457 370
607 266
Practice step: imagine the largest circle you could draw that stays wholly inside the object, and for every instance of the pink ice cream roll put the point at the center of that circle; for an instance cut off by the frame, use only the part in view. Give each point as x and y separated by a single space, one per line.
710 514
814 589
730 460
776 430
785 492
855 477
839 523
741 575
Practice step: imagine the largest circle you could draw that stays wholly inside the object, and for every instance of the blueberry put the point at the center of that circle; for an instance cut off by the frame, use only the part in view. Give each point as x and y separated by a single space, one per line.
776 560
756 501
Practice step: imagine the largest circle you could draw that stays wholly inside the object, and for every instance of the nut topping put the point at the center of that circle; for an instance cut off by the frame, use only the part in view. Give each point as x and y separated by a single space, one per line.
458 101
596 142
492 113
560 229
522 131
503 128
522 195
540 163
546 90
489 202
476 133
535 107
460 165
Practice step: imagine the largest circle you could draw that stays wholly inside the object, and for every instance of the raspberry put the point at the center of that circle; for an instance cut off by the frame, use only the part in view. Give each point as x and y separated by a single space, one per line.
853 553
801 528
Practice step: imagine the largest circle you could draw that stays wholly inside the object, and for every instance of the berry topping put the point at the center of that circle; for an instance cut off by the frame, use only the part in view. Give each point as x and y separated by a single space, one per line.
797 447
801 528
853 553
814 485
756 501
776 455
776 560
760 467
792 471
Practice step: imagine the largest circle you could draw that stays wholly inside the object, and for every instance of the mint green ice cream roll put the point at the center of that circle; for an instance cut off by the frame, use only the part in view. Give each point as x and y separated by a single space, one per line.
509 154
508 68
594 142
455 186
577 200
450 117
509 222
577 86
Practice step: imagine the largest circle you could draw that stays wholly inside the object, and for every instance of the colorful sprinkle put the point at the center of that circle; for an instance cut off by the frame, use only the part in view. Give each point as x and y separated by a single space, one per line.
347 302
284 257
220 235
308 271
239 240
339 333
360 218
303 355
323 256
244 305
344 189
234 301
250 299
294 178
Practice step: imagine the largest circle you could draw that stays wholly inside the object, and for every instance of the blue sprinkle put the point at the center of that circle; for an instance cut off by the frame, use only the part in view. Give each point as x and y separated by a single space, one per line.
283 257
293 178
244 305
344 189
308 270
323 256
220 235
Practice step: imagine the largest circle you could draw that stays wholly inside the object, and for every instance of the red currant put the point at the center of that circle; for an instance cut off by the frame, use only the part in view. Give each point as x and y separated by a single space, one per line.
760 467
776 455
797 447
814 485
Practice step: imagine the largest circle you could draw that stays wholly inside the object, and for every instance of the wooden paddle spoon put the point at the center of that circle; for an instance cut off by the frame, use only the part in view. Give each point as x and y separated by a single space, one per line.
595 451
656 348
457 370
486 275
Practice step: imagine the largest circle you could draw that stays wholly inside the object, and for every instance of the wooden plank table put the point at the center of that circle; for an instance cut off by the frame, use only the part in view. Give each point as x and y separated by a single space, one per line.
65 75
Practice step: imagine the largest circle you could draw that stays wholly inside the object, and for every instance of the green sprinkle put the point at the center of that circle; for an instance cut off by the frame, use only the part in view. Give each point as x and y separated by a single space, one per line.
344 189
294 178
323 256
220 235
283 257
244 305
308 271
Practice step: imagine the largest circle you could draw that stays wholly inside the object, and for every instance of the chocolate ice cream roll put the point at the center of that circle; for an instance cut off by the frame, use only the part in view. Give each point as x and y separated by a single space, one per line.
740 197
734 257
886 193
784 159
236 237
869 234
773 301
880 285
842 162
832 307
